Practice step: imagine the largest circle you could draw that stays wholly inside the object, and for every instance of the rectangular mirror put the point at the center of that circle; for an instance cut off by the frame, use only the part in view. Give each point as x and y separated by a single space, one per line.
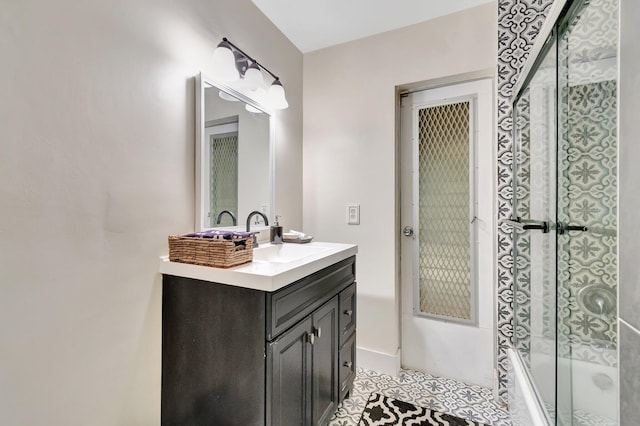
234 155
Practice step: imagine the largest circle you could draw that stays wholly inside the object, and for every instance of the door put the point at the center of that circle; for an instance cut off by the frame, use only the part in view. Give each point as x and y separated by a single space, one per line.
220 187
565 203
324 398
534 238
289 374
447 249
587 214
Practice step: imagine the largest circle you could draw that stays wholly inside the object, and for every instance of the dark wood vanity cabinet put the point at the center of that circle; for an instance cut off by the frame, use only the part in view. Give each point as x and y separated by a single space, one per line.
236 356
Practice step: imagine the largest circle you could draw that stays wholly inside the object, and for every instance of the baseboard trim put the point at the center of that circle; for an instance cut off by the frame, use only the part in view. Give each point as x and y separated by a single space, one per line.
378 361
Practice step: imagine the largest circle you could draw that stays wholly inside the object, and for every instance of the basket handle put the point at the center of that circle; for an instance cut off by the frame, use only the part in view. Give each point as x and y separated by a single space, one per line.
240 245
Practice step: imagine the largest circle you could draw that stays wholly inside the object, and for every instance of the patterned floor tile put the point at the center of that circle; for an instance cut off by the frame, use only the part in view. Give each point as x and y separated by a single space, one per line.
435 393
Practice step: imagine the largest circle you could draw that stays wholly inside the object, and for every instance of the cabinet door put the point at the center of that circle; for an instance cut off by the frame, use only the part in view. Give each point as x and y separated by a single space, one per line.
325 362
289 377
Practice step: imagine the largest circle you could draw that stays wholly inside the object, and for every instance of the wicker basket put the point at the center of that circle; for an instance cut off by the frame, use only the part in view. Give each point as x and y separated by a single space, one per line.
211 252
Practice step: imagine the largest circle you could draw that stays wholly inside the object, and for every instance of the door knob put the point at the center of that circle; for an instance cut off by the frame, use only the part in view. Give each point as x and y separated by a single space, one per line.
407 231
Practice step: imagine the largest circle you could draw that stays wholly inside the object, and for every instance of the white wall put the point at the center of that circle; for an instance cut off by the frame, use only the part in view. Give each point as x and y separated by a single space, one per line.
96 169
350 150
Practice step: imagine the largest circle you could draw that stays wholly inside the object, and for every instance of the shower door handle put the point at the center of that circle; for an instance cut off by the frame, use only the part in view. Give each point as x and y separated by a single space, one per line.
527 224
565 227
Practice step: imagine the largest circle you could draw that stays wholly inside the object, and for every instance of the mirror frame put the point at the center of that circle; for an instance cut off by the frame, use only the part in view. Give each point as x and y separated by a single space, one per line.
202 82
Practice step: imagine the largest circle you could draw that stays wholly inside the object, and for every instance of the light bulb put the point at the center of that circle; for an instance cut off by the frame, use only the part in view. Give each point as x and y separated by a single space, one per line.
276 95
260 96
253 76
224 63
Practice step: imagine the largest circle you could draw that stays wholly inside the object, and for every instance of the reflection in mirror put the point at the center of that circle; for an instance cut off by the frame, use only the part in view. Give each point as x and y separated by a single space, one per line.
233 156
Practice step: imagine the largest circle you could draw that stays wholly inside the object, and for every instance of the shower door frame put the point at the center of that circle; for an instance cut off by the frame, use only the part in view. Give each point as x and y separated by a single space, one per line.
550 42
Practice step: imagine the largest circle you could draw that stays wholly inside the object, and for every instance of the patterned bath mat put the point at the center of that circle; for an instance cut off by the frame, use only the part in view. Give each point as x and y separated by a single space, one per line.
384 411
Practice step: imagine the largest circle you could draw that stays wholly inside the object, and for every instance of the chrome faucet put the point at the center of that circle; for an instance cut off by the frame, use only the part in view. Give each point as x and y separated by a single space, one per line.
266 223
233 218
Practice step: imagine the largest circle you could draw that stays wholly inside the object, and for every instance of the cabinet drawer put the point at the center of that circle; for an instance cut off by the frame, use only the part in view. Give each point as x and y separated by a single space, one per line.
292 303
347 362
347 312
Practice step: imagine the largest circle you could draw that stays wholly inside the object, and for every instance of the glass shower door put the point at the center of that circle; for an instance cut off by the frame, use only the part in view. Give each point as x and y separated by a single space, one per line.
587 188
535 241
565 208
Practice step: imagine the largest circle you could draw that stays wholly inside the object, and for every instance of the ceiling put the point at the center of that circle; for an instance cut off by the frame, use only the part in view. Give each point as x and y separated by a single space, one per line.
315 24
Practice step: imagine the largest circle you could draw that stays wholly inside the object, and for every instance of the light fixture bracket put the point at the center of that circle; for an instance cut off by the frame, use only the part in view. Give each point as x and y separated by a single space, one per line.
241 59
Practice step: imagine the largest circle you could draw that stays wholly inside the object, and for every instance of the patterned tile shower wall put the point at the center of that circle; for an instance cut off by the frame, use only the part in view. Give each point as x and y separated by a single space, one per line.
587 263
522 245
519 22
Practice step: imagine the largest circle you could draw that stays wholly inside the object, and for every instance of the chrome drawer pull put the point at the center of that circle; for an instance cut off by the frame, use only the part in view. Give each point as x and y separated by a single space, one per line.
348 312
347 364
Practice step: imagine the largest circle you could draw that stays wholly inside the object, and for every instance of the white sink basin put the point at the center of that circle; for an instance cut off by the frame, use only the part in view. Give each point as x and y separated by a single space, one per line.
285 253
273 266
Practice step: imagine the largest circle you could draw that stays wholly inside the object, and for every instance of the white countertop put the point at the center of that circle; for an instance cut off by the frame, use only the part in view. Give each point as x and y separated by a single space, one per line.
263 274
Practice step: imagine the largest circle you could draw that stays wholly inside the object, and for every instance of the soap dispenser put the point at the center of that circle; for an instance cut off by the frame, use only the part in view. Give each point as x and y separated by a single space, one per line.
276 232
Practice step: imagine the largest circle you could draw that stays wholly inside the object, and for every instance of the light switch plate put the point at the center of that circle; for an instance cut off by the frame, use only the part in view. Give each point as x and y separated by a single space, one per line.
353 214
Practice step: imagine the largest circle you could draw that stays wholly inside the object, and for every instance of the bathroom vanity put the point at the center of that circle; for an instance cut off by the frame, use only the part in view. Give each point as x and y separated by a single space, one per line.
267 343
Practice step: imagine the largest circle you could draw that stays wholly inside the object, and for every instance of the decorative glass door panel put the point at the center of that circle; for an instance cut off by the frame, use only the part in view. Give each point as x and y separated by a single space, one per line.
444 184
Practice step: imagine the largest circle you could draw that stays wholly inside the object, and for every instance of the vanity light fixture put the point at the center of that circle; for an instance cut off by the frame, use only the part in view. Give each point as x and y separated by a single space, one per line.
230 64
224 62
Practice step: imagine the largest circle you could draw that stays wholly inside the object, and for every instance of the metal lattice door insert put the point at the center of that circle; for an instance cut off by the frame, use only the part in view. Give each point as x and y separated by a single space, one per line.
444 205
224 174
